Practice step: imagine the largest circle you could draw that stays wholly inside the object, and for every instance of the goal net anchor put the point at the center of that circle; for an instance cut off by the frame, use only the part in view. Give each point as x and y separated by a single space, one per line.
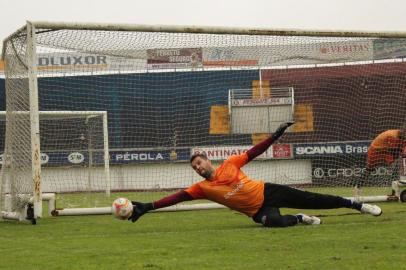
399 186
24 210
108 211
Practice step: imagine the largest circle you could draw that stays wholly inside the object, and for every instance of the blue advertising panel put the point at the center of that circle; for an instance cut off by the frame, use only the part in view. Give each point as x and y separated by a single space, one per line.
151 156
81 158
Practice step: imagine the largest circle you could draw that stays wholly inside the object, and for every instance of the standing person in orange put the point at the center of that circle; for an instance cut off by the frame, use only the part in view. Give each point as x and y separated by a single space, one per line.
229 186
385 149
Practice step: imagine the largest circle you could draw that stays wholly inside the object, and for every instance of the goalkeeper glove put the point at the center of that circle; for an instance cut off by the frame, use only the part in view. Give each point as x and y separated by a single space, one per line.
140 209
281 129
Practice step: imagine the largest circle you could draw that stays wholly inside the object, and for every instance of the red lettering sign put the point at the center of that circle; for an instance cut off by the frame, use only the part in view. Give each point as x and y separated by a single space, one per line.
281 151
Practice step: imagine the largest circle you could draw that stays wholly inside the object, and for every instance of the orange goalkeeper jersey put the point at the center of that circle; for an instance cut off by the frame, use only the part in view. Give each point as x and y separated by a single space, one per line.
388 140
231 187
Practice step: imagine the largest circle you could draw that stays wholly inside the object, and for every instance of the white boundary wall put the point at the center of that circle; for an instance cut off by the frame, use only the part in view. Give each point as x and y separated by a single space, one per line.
165 176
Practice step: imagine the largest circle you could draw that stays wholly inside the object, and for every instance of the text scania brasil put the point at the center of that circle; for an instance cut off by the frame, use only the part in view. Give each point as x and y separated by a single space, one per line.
333 149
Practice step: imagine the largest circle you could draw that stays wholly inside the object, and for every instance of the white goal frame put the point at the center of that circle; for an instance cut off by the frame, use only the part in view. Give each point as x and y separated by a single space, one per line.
50 197
34 113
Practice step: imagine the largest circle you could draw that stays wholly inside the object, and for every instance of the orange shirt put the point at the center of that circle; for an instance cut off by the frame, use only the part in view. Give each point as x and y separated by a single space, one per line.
231 187
388 140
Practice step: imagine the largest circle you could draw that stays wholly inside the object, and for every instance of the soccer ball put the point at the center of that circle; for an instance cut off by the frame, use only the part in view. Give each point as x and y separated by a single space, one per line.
122 208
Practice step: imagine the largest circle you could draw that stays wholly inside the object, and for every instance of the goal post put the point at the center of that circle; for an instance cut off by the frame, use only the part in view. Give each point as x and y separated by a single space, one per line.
171 91
34 119
85 153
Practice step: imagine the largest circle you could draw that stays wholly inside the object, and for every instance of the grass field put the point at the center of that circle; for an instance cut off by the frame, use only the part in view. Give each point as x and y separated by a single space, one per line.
213 239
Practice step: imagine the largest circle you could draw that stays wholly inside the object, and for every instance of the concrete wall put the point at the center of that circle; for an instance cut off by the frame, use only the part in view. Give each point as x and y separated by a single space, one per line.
165 176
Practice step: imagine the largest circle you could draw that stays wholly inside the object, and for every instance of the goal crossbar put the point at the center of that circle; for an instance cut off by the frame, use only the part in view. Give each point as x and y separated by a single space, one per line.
57 114
213 30
200 30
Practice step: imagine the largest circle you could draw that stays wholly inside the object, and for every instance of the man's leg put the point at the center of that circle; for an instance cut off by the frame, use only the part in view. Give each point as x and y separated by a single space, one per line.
271 217
374 157
284 196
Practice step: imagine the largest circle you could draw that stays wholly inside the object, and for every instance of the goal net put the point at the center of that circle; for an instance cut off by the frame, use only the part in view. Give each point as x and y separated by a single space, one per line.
172 91
74 158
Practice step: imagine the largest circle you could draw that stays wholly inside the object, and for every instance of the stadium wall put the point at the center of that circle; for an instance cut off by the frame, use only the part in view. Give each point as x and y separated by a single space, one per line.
348 97
341 87
153 100
166 176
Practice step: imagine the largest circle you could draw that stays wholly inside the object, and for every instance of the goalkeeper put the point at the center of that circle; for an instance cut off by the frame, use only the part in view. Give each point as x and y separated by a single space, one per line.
229 186
385 149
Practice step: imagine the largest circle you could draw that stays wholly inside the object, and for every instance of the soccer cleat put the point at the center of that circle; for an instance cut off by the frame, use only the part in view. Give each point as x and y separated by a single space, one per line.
310 220
371 209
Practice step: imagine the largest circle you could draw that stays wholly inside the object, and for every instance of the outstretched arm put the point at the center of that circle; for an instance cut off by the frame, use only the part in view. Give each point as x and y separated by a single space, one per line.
140 208
264 145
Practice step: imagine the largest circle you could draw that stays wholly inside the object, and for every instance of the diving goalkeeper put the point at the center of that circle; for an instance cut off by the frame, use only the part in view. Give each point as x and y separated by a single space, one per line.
229 186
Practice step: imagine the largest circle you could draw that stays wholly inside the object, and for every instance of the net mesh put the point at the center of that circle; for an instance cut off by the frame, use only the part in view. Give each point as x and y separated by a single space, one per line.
16 165
167 96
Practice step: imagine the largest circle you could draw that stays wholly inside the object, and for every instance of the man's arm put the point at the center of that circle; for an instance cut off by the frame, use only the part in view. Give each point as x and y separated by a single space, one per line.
140 208
264 145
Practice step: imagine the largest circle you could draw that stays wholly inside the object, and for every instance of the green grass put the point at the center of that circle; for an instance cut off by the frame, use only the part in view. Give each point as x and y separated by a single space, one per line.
215 239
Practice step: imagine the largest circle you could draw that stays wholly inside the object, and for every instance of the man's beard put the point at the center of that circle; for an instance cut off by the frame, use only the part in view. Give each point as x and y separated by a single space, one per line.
206 174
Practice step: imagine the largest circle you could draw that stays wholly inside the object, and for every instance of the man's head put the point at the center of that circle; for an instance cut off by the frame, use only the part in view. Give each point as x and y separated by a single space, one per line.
202 165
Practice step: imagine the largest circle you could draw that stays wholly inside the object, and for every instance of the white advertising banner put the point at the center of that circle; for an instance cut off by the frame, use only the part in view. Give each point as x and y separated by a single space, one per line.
289 54
231 56
76 63
214 57
224 152
276 151
261 101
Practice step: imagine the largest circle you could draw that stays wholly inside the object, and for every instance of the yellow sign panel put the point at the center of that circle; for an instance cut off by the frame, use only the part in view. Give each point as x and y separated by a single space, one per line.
303 122
219 120
303 118
1 66
259 137
260 89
